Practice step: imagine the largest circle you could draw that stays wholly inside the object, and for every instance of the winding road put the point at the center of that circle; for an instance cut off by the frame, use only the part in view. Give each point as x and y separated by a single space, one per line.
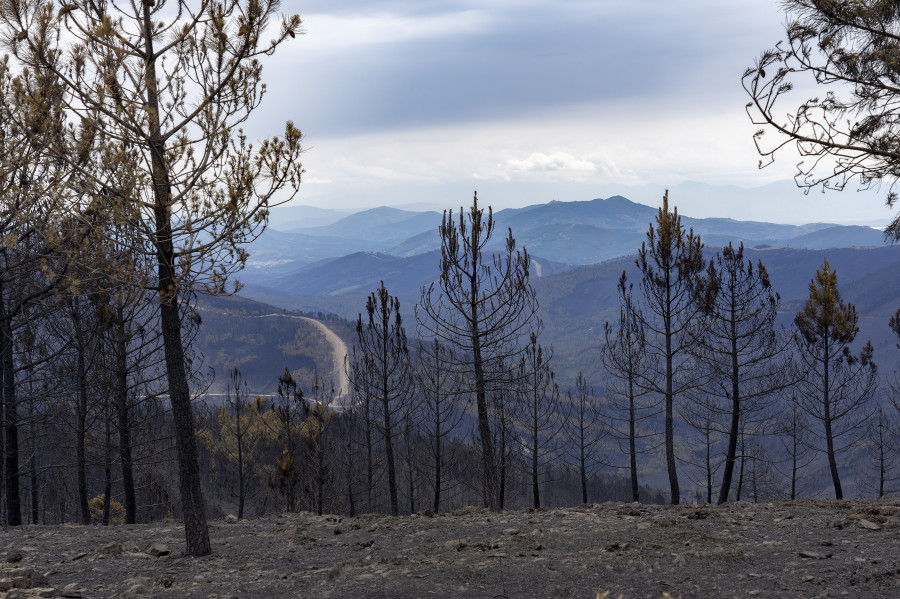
338 349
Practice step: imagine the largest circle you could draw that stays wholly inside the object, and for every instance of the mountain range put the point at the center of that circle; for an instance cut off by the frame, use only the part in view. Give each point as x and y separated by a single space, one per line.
573 233
579 250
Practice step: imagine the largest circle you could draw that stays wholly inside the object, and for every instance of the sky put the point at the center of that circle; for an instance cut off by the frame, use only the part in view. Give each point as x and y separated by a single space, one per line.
420 103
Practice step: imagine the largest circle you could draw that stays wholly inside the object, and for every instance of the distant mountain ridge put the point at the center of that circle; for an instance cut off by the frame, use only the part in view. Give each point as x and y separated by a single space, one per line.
574 233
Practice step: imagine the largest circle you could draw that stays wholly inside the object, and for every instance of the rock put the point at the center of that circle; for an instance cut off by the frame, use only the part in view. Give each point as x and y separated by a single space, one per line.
31 593
137 587
13 558
72 591
157 549
135 590
231 519
869 525
112 548
20 578
812 555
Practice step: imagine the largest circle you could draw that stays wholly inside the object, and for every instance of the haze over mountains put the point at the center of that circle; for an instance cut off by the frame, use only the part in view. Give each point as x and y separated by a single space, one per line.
579 250
574 233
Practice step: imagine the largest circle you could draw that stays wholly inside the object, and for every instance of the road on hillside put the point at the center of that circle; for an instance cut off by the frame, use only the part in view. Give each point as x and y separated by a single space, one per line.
338 350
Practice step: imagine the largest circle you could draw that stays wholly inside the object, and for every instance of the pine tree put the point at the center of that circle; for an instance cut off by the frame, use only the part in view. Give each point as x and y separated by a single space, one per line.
159 90
381 339
482 307
676 297
628 364
836 385
851 130
741 347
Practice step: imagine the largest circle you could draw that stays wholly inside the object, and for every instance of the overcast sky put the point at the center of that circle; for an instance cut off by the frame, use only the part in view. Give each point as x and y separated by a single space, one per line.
422 102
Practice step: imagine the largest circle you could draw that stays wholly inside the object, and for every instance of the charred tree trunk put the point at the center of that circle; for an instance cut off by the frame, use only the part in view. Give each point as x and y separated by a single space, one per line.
194 508
632 443
81 407
734 428
437 464
123 413
11 418
107 475
829 435
675 492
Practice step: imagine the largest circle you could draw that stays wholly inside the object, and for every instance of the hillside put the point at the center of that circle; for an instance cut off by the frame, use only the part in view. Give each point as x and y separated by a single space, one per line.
261 341
575 302
783 549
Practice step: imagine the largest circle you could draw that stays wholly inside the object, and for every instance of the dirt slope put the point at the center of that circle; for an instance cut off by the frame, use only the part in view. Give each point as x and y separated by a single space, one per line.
812 548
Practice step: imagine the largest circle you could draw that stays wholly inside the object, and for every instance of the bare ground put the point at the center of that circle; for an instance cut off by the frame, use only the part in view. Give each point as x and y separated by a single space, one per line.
810 548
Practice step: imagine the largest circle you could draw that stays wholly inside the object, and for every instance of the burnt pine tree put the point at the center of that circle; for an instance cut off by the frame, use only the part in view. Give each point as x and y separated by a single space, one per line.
360 369
503 403
161 88
625 358
584 434
741 346
481 306
381 339
850 131
792 431
881 471
539 414
836 385
676 296
237 401
36 203
440 407
289 409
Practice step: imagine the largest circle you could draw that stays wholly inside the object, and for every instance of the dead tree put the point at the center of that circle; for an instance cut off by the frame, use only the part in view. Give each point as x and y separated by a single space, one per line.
539 416
381 338
440 408
361 371
482 306
741 348
675 297
627 362
585 435
792 430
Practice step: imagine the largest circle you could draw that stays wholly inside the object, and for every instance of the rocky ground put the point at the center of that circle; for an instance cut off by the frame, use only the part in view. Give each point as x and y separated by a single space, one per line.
811 548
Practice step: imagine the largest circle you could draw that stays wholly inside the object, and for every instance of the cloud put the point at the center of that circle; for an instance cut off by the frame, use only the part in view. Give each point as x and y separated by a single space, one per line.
405 100
382 65
556 161
330 32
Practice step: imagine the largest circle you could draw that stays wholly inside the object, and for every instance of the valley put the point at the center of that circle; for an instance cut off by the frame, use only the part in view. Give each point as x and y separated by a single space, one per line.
290 329
579 250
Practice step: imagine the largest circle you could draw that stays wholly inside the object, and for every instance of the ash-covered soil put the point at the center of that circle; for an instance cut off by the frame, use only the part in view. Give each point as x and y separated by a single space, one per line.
810 548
